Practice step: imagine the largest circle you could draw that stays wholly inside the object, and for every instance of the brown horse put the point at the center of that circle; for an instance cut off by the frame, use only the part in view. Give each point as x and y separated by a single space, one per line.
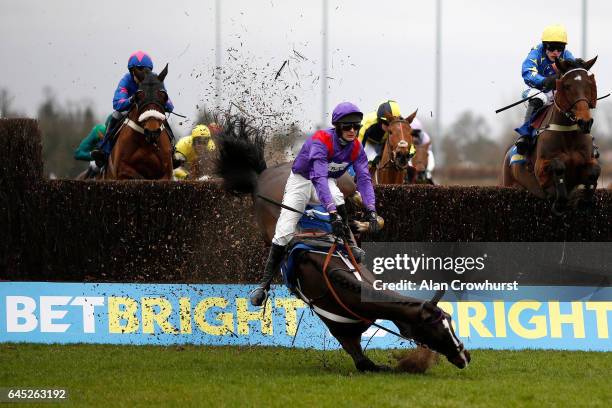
562 160
417 171
335 293
396 153
143 149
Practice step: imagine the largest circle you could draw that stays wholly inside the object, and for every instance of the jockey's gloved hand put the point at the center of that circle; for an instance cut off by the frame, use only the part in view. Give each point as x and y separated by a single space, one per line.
372 218
337 225
549 83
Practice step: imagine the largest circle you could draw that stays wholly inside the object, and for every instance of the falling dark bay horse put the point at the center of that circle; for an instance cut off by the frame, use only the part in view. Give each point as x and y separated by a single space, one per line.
562 165
143 149
397 152
326 283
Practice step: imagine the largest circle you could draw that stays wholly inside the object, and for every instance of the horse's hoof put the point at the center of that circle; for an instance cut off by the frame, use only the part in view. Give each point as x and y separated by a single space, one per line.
370 366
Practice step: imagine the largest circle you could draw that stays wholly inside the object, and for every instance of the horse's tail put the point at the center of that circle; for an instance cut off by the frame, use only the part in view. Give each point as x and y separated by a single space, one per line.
240 158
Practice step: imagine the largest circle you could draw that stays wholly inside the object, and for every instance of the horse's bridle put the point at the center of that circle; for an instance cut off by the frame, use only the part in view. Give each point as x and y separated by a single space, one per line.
402 143
567 110
150 137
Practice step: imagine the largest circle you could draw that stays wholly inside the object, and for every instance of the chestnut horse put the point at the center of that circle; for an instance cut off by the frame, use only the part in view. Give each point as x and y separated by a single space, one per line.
326 283
396 153
143 149
562 162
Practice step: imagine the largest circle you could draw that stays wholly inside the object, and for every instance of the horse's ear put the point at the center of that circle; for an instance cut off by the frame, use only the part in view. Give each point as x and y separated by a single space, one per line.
410 118
162 75
587 65
438 295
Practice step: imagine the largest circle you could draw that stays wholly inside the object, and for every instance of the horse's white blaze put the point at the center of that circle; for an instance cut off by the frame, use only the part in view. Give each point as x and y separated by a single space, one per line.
455 340
577 78
462 354
151 113
450 332
402 143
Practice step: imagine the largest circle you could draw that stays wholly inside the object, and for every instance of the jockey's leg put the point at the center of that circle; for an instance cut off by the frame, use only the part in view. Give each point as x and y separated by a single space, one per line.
431 165
297 194
102 152
373 152
525 141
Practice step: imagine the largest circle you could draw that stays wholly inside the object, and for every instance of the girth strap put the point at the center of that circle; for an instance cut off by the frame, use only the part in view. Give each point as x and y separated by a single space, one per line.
553 127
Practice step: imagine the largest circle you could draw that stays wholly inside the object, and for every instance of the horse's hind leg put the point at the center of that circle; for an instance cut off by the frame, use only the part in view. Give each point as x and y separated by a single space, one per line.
557 170
349 336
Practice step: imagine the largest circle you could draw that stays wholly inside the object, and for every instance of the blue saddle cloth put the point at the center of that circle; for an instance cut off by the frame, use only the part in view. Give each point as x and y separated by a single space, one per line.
515 157
317 224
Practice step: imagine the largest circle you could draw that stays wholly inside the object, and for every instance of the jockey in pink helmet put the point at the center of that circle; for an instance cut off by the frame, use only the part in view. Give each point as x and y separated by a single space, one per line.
122 101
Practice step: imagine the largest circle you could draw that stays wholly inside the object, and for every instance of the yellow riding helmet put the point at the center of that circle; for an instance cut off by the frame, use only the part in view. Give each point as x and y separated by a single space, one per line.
386 108
200 131
555 33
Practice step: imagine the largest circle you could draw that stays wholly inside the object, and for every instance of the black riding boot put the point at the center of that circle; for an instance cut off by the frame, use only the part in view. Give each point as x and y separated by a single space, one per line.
524 143
358 253
260 293
99 153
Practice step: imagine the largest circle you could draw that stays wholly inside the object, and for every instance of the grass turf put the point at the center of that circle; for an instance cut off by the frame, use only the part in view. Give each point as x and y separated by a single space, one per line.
106 375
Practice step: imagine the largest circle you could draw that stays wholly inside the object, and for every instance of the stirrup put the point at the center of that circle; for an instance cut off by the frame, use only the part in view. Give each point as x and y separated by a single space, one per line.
523 145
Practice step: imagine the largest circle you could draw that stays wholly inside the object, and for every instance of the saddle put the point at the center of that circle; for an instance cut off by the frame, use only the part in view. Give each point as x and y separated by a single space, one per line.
539 117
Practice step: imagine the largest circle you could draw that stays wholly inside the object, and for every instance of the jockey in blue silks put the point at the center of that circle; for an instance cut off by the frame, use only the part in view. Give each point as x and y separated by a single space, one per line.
324 157
122 101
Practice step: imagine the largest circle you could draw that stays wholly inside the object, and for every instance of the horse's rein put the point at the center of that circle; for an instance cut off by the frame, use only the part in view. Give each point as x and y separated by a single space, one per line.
330 287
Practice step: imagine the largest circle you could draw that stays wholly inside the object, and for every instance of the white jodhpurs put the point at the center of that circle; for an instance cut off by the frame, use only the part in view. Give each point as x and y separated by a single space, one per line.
372 150
299 192
546 97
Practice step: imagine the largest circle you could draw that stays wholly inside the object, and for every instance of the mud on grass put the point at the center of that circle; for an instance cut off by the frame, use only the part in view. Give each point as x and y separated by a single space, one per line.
254 376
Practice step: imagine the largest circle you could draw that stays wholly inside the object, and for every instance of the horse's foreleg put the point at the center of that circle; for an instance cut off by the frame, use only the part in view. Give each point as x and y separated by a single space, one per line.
556 168
349 336
520 174
588 176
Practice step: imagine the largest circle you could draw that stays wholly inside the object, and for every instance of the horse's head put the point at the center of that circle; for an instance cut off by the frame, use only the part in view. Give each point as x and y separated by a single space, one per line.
576 91
151 99
421 158
400 140
434 329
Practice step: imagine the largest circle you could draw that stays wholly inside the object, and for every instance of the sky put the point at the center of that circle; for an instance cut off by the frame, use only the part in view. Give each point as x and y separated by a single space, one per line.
377 50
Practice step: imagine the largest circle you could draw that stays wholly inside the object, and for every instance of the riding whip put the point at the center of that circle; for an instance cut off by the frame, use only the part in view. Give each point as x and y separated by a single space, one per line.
286 207
517 103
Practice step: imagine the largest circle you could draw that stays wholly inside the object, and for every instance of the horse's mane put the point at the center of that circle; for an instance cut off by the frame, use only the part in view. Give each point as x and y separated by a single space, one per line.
240 146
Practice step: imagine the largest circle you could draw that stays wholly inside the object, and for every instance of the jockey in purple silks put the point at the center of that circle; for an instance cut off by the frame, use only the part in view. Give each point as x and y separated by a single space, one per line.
324 157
